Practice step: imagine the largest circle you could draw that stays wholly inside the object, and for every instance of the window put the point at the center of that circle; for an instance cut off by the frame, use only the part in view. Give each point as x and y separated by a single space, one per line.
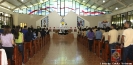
29 10
62 7
24 11
23 24
32 9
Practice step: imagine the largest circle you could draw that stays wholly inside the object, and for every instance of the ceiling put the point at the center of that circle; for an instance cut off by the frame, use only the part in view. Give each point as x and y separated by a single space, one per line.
110 5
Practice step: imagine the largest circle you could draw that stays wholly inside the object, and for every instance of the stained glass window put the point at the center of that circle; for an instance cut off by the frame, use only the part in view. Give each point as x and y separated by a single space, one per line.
62 7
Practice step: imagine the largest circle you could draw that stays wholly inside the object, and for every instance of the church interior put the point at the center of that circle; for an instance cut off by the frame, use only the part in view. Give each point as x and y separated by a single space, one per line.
66 32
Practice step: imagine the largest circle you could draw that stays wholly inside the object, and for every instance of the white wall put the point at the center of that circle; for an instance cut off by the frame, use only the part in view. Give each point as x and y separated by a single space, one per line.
55 19
93 20
25 18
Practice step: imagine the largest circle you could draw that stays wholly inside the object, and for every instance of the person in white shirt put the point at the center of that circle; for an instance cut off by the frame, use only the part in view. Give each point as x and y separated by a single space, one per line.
127 39
120 31
112 38
105 36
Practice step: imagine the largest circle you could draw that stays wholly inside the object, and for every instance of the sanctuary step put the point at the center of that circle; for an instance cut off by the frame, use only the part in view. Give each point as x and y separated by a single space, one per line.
58 36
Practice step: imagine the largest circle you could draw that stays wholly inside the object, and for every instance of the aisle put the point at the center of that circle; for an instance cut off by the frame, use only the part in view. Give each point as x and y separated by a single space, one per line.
64 52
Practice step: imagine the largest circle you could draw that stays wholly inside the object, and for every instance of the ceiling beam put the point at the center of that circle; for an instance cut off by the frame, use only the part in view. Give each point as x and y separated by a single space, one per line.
11 3
121 3
5 7
23 4
87 2
31 3
112 5
104 2
100 4
37 1
2 1
92 5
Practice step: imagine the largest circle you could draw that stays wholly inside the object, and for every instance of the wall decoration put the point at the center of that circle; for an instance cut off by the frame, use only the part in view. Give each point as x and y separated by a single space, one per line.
80 22
45 22
115 55
103 24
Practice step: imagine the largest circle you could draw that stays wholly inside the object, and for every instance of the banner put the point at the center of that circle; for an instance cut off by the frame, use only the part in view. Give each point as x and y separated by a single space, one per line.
80 22
115 55
104 24
44 22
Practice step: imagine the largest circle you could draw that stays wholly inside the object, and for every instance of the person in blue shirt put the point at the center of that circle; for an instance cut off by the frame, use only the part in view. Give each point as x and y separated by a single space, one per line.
24 31
98 34
28 35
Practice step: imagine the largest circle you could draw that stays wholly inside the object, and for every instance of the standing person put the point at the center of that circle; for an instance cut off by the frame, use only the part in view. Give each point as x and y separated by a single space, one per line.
13 29
120 34
43 32
90 36
34 34
98 34
24 31
105 36
7 41
112 38
38 33
127 39
47 31
87 31
28 36
19 40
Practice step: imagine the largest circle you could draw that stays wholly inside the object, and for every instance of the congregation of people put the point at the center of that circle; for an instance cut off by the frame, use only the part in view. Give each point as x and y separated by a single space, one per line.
16 36
113 35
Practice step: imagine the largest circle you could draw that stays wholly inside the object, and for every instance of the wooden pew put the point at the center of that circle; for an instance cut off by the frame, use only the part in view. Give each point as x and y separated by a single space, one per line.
86 42
26 52
17 57
0 57
35 46
43 41
94 45
99 48
129 61
31 49
106 52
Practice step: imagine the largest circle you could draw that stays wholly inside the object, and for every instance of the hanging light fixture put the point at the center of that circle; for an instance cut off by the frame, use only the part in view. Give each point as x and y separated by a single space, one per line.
116 8
22 0
103 1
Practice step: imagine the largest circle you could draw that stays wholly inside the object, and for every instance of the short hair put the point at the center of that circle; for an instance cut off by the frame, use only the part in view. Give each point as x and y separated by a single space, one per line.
13 26
114 26
129 23
107 29
98 29
2 26
25 26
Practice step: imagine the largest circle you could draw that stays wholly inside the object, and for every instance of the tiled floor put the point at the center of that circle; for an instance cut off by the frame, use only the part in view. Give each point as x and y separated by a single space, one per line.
64 52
